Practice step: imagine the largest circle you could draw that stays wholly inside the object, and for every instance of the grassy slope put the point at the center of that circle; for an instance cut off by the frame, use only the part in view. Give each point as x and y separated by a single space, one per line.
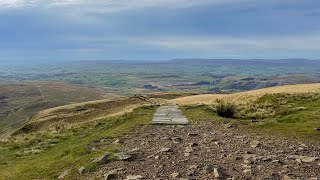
247 96
295 115
291 115
21 100
69 149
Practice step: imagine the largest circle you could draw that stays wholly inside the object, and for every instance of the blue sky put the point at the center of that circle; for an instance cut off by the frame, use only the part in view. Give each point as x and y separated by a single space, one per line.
67 30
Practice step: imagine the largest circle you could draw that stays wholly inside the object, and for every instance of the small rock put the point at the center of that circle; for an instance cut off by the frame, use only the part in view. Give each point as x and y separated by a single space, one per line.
247 171
209 168
175 175
187 154
193 167
165 149
165 138
64 174
255 144
157 157
112 174
299 161
303 145
134 150
176 140
317 129
193 144
266 159
217 172
189 149
307 159
228 125
117 141
123 156
102 159
286 177
134 177
82 170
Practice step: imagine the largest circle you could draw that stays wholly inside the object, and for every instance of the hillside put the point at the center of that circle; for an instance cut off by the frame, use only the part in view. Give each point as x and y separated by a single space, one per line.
21 100
247 96
274 134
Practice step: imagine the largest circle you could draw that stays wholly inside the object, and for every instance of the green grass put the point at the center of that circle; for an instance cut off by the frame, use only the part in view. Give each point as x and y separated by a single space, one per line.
70 149
295 116
201 113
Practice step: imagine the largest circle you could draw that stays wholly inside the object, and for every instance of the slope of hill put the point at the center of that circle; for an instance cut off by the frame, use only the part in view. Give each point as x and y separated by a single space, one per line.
275 135
246 96
21 100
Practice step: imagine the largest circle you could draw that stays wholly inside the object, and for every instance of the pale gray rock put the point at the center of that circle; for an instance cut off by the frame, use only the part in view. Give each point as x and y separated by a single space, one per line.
134 177
165 149
82 170
102 159
64 174
255 144
123 156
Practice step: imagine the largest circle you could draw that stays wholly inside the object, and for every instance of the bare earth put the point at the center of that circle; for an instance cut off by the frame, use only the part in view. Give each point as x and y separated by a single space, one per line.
209 151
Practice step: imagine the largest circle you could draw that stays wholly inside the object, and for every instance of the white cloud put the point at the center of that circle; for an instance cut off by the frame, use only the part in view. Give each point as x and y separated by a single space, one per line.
107 6
220 43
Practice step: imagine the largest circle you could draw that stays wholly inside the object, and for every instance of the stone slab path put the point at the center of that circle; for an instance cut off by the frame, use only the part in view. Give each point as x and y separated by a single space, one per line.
169 115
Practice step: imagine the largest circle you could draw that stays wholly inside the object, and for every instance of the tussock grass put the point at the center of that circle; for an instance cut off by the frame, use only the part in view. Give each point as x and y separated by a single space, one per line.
226 109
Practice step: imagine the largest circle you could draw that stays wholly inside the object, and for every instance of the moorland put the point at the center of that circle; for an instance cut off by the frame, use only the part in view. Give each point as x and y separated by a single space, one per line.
58 120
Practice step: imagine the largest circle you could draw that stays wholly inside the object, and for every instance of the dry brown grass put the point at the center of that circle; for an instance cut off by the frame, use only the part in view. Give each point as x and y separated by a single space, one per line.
245 97
70 116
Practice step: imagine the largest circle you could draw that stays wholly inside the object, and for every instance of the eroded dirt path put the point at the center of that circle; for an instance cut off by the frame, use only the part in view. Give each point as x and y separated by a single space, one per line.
209 151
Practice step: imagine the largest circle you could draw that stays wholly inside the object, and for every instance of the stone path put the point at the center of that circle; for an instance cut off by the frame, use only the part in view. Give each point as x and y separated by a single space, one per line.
206 150
169 115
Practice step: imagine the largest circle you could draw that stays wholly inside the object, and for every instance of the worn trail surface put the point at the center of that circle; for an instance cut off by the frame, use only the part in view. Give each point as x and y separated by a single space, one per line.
209 151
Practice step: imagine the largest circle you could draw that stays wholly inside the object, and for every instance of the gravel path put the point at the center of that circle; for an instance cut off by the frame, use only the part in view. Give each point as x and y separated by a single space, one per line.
209 151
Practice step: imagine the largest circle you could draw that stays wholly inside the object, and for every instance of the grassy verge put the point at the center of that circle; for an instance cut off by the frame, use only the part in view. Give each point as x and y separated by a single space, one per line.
201 113
69 150
291 115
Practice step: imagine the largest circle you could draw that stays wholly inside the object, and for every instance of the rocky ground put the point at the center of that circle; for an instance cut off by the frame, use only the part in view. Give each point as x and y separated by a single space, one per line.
207 151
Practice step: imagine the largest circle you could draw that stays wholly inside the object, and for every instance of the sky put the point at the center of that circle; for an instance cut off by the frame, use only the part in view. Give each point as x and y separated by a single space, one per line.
72 30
